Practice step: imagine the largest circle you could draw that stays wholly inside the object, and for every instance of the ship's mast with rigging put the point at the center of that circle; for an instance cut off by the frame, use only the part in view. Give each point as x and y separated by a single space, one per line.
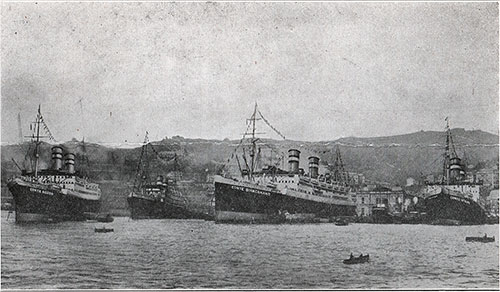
250 165
449 154
143 167
37 141
39 121
253 141
139 172
339 173
446 174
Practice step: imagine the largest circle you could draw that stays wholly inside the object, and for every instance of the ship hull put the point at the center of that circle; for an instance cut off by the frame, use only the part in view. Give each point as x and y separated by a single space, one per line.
445 207
42 204
147 208
235 203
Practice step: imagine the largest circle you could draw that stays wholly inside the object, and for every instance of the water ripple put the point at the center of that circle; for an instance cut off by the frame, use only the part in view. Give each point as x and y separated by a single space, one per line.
148 254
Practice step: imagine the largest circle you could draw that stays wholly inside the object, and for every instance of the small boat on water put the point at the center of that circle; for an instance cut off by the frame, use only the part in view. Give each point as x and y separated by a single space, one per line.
357 260
484 238
105 218
103 230
341 223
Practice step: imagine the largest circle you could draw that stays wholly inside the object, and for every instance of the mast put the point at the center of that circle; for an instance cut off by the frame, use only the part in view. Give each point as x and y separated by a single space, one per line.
20 130
339 173
139 170
251 146
146 167
446 163
37 141
449 153
36 138
254 146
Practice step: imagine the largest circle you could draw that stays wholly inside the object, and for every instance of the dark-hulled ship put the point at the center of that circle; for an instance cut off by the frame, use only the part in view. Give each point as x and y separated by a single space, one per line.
455 199
160 198
274 195
58 193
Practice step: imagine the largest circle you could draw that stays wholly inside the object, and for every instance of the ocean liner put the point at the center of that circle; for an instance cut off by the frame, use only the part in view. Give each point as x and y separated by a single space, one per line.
455 199
58 193
275 195
156 199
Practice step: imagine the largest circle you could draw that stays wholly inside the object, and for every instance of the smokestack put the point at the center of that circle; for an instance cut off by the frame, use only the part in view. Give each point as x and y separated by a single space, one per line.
456 168
293 160
313 166
69 161
57 156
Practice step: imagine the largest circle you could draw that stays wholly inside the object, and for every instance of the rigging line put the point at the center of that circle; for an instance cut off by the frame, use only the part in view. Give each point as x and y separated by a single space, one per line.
158 154
47 130
245 159
242 138
137 173
239 165
165 163
269 124
237 146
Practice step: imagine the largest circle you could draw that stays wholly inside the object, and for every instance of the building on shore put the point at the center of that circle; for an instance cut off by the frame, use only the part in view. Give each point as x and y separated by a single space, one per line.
356 179
410 182
392 200
489 177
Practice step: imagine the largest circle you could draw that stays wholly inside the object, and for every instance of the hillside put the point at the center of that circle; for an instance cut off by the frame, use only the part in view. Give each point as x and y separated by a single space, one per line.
384 159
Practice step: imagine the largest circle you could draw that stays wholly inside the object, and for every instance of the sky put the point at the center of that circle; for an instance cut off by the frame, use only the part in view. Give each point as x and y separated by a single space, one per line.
109 71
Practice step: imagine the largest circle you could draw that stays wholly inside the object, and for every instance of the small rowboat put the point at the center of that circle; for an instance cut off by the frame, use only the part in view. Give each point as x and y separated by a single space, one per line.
103 230
480 239
357 260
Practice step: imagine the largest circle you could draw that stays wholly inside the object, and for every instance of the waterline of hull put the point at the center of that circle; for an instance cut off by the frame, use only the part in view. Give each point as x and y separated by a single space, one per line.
32 205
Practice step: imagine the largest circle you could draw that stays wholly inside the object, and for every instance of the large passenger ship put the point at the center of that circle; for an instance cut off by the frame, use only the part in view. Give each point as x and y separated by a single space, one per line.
272 194
455 199
58 193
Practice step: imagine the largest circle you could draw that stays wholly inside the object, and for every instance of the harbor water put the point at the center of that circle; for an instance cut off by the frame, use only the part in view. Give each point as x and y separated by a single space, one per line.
201 254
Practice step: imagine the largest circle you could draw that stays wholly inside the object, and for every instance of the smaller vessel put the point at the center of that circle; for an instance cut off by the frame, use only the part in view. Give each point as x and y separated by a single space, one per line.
484 238
160 198
492 220
381 216
7 206
103 230
105 218
341 222
357 260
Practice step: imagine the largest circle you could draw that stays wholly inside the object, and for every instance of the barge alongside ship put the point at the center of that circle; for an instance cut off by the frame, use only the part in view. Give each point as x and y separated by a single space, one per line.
274 195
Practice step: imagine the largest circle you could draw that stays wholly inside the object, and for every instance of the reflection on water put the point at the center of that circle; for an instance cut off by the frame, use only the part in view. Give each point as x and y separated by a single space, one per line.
200 254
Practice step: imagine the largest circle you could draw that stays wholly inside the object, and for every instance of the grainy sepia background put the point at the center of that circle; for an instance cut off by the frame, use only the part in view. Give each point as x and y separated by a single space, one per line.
321 72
